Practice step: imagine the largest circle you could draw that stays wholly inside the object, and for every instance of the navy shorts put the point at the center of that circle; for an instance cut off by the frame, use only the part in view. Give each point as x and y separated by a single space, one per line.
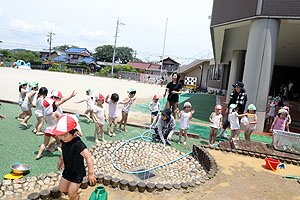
154 113
71 177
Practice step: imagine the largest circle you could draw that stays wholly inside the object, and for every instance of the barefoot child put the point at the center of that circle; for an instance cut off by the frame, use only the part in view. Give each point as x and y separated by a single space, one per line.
74 151
126 107
89 103
22 94
252 121
185 116
216 119
281 122
113 103
28 102
39 110
99 117
154 107
233 119
51 114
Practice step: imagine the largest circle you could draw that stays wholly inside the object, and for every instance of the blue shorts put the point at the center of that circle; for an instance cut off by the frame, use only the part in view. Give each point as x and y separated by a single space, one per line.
154 113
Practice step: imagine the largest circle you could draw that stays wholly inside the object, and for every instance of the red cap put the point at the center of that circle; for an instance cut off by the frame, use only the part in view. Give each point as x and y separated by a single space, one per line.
65 124
218 107
100 97
47 105
56 93
156 97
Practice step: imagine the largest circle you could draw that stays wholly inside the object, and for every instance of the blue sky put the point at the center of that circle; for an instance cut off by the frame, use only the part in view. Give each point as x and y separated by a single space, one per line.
92 23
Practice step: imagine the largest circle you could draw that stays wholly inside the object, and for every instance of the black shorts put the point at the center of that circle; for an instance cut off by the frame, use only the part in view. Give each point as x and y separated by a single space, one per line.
226 124
71 177
154 113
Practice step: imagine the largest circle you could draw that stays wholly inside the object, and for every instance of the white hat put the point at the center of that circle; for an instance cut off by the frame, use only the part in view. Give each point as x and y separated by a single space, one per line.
65 124
48 106
56 93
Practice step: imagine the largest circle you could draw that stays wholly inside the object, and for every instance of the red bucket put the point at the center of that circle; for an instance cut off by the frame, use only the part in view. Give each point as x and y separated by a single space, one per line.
271 164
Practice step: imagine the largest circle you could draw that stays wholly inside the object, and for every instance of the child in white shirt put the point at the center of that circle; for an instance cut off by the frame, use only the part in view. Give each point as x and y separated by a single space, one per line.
216 123
39 113
154 106
185 116
99 117
89 103
233 119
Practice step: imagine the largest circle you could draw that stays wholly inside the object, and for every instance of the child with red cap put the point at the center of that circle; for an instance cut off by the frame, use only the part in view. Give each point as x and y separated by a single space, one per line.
185 116
51 112
216 119
154 107
99 117
74 151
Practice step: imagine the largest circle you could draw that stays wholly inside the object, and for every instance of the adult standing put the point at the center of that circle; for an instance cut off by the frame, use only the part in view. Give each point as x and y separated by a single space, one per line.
290 90
239 97
174 88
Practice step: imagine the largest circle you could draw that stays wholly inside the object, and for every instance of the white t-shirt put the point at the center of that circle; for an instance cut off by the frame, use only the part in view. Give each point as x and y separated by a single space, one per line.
234 121
154 106
184 119
89 102
39 108
99 111
271 112
216 119
113 109
20 101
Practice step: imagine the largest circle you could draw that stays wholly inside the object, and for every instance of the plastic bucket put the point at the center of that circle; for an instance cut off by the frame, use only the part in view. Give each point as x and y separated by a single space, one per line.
271 164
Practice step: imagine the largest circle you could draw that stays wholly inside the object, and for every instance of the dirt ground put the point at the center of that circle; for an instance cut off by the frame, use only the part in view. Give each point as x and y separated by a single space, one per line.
239 177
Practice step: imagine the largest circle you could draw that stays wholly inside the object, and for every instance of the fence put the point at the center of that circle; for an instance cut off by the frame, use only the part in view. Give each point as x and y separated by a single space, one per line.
138 76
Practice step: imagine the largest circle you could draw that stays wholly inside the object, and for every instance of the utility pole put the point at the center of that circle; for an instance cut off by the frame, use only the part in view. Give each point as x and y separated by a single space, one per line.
115 46
50 42
163 53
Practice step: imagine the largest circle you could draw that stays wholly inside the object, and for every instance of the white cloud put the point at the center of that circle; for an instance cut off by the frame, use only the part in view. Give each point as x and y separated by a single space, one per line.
92 34
39 28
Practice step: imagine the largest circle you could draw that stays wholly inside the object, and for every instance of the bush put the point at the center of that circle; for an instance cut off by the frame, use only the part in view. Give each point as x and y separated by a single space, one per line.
117 68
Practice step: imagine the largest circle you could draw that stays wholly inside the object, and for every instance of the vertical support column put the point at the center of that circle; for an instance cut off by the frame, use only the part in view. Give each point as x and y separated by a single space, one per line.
260 58
237 63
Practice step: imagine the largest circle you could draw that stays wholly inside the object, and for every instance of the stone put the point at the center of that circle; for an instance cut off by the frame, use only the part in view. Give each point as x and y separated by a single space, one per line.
40 182
55 193
100 178
33 196
8 193
45 194
132 186
17 186
176 186
31 184
42 177
107 180
141 187
184 185
84 183
19 181
150 187
7 182
115 182
123 184
168 186
159 187
52 175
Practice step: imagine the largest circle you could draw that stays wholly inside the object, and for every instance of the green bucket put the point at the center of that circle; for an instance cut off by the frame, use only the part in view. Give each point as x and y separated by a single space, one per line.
99 194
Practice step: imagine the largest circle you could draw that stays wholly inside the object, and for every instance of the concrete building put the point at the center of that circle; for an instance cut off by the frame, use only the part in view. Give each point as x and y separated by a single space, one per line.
259 41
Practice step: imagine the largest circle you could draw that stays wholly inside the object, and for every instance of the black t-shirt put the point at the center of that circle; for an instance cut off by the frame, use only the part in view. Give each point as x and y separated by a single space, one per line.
73 160
172 87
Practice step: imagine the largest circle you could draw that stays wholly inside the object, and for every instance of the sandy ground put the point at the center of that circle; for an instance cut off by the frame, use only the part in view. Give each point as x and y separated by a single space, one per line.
239 177
66 83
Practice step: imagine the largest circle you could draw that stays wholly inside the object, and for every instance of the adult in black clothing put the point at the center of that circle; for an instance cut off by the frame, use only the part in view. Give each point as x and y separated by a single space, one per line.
239 97
173 89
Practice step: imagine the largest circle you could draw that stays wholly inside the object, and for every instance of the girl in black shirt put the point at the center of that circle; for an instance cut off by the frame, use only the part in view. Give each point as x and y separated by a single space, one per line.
174 88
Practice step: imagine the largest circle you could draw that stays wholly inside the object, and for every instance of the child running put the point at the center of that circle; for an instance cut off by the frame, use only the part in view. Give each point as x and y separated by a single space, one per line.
28 102
22 94
89 103
74 151
216 119
113 103
154 107
39 110
51 114
252 121
99 117
233 119
126 107
185 116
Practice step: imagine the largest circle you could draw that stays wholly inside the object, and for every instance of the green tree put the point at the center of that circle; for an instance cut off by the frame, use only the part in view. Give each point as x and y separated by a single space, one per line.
105 53
64 47
27 56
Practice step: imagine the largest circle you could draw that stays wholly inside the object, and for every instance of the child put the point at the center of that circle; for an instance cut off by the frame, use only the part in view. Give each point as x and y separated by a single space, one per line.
281 121
154 107
99 117
51 114
74 151
185 116
233 119
270 114
165 126
27 103
113 112
216 119
39 110
22 94
288 116
126 107
89 102
252 120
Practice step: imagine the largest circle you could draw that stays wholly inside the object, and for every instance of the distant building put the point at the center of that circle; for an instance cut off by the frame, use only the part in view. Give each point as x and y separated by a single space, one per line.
170 65
147 68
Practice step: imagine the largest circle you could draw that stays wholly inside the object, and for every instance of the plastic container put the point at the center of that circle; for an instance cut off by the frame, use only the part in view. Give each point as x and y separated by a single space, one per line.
245 121
271 164
99 194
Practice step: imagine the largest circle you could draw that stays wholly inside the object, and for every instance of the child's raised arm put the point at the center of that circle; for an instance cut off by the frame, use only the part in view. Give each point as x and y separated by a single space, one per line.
58 103
80 101
30 98
178 113
106 99
149 106
87 156
127 100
